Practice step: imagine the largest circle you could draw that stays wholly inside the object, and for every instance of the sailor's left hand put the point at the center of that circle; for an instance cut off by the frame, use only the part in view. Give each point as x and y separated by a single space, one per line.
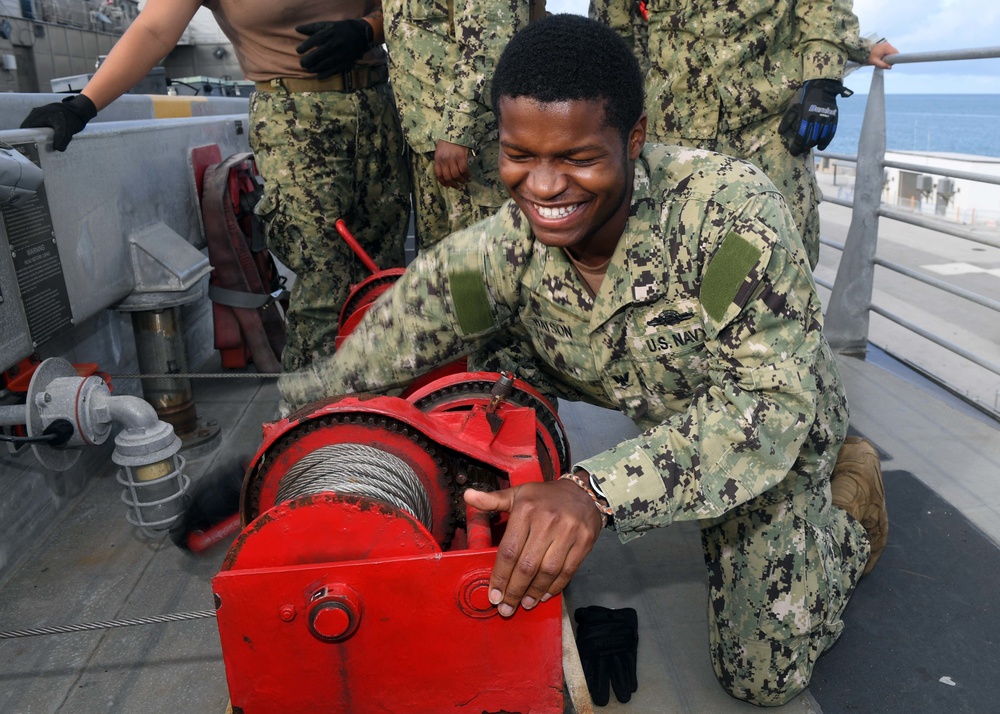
811 117
551 528
451 164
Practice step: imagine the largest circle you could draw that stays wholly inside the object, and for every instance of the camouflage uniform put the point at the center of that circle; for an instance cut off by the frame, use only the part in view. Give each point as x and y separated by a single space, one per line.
721 75
442 55
328 155
725 367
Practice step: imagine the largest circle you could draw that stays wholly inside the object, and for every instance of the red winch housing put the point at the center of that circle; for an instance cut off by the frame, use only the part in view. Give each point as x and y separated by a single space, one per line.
342 597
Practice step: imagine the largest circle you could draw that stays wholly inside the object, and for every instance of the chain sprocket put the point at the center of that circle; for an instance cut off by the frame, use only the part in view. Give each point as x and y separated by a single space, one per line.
481 388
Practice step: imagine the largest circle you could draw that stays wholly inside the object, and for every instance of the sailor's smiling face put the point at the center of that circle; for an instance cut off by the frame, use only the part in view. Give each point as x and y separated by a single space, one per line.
569 171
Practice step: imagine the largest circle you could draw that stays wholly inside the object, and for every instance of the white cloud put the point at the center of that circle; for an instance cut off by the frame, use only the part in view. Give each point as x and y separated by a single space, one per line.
917 26
932 25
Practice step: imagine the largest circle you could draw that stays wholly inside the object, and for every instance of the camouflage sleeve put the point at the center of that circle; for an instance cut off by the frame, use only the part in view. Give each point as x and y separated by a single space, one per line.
860 50
624 17
451 298
743 431
482 28
829 33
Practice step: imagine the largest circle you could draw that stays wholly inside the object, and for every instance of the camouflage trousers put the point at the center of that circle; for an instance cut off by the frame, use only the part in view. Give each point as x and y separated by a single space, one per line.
779 578
324 156
441 211
781 568
794 176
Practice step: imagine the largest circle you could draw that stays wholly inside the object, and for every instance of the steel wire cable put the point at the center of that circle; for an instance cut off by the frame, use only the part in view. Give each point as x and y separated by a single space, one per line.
358 470
108 624
199 375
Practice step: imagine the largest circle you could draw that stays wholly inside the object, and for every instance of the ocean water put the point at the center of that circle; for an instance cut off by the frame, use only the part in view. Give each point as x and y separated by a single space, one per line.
958 123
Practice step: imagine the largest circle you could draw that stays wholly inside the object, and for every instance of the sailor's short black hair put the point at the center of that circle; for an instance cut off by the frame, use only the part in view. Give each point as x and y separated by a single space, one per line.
569 57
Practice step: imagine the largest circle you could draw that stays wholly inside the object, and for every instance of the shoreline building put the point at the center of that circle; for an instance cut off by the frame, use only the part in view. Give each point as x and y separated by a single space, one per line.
975 204
46 40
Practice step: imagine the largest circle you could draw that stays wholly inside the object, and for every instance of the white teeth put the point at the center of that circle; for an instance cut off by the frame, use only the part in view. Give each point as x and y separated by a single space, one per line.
560 212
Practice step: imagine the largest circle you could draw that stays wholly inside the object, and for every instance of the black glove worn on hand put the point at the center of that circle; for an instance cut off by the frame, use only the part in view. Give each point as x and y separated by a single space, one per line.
608 641
811 117
335 45
67 118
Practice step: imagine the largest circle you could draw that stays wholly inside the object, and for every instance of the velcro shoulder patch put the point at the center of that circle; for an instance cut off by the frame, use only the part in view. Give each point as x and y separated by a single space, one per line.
726 280
473 308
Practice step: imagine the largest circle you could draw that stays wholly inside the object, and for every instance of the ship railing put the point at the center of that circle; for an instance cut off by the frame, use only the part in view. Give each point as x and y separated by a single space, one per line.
850 304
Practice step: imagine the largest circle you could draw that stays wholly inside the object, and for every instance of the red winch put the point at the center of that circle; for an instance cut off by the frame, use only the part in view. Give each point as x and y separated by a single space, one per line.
360 580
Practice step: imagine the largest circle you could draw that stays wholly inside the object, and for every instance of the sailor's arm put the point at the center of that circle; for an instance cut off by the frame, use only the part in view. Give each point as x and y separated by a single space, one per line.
741 433
149 39
424 321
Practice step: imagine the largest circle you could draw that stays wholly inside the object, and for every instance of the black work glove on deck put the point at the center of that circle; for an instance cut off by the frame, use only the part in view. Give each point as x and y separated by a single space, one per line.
608 641
333 47
811 117
67 118
212 499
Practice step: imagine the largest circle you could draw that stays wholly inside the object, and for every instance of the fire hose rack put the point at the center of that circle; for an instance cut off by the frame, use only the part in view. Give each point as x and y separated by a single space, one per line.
359 582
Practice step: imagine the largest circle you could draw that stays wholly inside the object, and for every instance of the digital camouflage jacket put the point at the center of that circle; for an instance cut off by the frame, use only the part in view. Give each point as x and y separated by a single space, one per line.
442 56
732 63
706 331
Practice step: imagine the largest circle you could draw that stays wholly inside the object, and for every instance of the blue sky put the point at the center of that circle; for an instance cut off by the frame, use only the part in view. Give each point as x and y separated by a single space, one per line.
917 26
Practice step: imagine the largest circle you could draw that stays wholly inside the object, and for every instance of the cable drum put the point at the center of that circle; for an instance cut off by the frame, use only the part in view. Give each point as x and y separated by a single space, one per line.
358 470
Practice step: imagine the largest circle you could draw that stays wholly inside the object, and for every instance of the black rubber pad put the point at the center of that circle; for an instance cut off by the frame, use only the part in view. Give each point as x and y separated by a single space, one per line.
923 628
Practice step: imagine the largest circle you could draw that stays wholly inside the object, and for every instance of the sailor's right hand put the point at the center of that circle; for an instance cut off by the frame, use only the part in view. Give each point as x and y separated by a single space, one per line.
552 527
332 47
66 118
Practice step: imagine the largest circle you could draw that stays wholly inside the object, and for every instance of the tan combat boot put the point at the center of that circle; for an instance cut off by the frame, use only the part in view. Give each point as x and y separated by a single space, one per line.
857 488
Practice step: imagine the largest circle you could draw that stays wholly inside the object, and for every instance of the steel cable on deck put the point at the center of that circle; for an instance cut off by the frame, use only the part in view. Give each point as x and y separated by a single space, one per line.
200 375
358 470
107 625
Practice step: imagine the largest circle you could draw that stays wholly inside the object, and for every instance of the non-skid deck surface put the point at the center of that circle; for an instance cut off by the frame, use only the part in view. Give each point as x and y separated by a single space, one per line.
923 628
929 610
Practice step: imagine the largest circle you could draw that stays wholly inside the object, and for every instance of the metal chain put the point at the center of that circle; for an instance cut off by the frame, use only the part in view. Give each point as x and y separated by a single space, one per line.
86 626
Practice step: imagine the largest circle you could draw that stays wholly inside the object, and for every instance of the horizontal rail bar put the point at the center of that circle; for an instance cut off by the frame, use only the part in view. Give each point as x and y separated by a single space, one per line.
944 55
839 201
940 341
823 283
947 287
838 157
937 226
938 171
831 243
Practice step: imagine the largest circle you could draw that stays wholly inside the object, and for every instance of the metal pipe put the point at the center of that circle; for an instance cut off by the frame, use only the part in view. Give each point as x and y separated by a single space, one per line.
940 341
939 171
132 412
838 157
831 243
943 56
938 226
13 415
839 201
947 287
847 315
159 346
